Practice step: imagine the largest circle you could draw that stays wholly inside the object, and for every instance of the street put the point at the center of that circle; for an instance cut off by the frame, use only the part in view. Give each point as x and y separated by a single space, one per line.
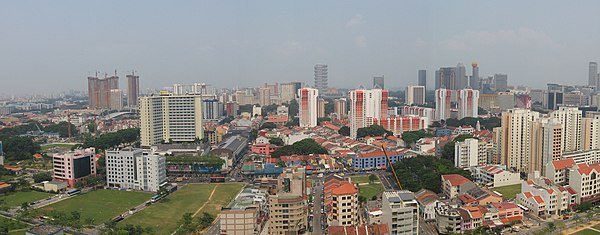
318 219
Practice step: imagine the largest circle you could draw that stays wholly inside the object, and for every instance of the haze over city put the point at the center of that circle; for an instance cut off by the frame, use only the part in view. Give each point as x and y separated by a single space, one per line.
50 47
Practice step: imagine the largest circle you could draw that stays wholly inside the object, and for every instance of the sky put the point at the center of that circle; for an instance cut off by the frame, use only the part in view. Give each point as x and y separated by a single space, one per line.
52 46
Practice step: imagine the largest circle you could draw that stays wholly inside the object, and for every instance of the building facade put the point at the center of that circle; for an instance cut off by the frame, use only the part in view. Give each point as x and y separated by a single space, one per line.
415 95
135 169
308 106
515 138
366 104
74 166
401 212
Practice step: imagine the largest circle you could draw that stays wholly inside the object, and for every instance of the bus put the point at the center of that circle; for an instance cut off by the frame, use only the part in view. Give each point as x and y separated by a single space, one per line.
73 192
217 179
525 209
156 198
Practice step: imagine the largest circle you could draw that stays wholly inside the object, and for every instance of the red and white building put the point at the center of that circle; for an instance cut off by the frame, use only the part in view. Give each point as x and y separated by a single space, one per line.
308 106
73 166
366 104
428 113
443 98
468 103
398 125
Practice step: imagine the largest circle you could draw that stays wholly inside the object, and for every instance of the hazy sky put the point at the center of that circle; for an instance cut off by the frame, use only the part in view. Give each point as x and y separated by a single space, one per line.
50 46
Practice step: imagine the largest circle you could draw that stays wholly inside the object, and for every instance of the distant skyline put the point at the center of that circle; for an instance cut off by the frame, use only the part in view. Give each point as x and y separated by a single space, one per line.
48 46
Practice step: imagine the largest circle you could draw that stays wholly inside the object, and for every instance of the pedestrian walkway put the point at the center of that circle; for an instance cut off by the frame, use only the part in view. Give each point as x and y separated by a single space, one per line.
582 227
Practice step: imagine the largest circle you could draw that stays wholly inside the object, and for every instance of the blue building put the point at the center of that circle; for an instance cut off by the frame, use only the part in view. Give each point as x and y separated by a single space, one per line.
375 160
443 132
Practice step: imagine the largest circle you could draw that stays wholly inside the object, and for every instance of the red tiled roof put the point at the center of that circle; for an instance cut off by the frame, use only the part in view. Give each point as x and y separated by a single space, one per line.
538 199
455 179
345 189
562 164
586 169
527 194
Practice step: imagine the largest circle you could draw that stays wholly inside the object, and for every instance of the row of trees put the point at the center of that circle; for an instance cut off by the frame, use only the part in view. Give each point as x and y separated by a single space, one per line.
111 140
187 225
373 130
425 172
303 147
411 137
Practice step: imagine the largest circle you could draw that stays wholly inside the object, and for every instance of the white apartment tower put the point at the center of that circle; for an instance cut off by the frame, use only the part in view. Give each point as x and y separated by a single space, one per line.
135 169
570 118
468 103
170 118
365 104
308 106
400 212
443 98
546 143
466 153
415 95
515 138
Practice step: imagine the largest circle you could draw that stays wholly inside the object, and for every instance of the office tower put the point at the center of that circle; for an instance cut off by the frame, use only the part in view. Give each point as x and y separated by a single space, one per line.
443 103
593 74
570 118
264 96
555 99
288 209
135 169
288 92
308 106
365 104
474 81
515 138
546 143
466 153
170 118
378 82
501 82
321 78
73 166
461 77
468 103
320 108
591 133
445 78
116 99
339 106
99 91
415 95
423 78
133 90
400 212
212 110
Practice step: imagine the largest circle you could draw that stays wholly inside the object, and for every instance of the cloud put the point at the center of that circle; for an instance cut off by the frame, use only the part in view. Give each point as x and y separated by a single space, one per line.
354 21
291 47
514 38
360 41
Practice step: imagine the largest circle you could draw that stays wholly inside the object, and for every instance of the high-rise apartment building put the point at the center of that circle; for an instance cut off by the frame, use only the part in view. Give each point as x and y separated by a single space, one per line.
443 103
74 166
99 91
468 103
321 108
366 104
288 210
378 82
135 169
170 118
321 78
445 78
546 143
474 80
340 106
288 92
116 99
212 109
570 119
308 106
400 212
515 138
591 133
593 74
423 78
133 90
501 82
466 153
415 95
264 96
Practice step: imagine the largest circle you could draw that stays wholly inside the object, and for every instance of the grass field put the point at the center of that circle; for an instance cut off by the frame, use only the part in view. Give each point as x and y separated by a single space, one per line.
586 232
100 205
12 225
163 216
15 199
361 179
370 190
508 192
58 146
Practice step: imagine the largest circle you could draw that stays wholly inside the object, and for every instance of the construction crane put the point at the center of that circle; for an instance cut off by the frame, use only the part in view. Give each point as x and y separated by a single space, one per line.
392 166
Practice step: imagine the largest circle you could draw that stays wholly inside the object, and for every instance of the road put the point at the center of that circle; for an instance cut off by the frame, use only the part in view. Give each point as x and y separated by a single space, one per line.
388 181
427 228
318 219
214 229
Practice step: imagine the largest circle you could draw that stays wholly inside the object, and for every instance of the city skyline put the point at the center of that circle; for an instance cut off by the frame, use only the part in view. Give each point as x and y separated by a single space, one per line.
251 44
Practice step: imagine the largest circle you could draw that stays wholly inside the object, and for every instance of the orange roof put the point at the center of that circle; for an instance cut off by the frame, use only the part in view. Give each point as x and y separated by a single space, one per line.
586 169
4 185
455 179
37 156
466 198
562 164
528 194
345 189
13 168
538 199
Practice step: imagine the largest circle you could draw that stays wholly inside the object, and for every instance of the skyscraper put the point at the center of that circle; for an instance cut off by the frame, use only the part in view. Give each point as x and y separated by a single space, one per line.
546 143
593 74
288 92
308 106
501 82
445 78
423 78
515 135
116 99
590 133
264 96
365 104
320 108
468 103
339 107
133 90
321 78
461 77
378 82
415 95
474 81
443 98
99 91
570 119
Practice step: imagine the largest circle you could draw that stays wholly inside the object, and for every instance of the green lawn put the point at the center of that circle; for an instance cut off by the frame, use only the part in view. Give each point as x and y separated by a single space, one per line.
370 190
508 192
163 216
57 145
11 224
100 205
361 179
586 232
15 199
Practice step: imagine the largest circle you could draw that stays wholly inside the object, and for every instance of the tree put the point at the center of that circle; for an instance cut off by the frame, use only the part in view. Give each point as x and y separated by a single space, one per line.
372 178
42 176
551 227
323 119
425 172
361 198
186 224
62 129
293 108
91 127
205 220
585 206
268 125
345 131
25 206
276 141
411 137
303 147
19 148
373 130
